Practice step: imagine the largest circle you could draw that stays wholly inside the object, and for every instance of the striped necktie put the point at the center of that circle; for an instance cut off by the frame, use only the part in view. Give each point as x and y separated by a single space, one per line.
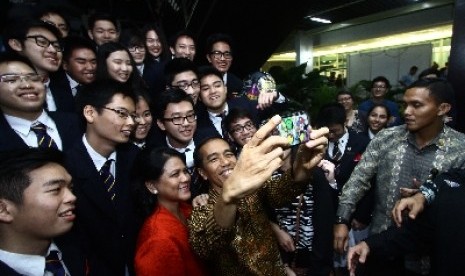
108 179
53 264
43 139
337 154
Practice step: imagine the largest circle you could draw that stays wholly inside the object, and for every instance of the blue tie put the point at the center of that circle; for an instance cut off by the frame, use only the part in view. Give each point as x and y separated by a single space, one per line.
54 265
43 139
108 179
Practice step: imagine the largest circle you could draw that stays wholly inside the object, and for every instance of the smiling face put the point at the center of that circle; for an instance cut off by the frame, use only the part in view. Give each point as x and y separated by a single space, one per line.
218 161
119 66
106 128
377 119
346 101
57 21
213 93
24 99
181 135
152 41
184 47
81 65
47 209
422 113
187 77
379 89
145 121
221 64
243 136
173 185
44 59
103 31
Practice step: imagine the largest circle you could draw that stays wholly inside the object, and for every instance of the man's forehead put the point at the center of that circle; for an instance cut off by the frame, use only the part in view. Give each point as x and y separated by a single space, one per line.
43 32
183 106
213 77
185 76
215 145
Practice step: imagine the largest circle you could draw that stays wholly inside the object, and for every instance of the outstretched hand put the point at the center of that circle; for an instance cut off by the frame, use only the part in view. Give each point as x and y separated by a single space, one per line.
357 254
414 204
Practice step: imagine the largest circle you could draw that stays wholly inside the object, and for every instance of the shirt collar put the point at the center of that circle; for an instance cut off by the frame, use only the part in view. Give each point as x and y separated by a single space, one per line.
439 140
72 82
213 115
98 159
23 126
26 264
190 146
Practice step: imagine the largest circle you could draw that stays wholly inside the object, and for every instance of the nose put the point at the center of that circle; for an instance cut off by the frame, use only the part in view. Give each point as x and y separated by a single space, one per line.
224 161
69 197
186 176
52 49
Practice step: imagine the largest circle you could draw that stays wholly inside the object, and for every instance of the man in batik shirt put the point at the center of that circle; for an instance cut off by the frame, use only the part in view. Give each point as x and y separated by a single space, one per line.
232 231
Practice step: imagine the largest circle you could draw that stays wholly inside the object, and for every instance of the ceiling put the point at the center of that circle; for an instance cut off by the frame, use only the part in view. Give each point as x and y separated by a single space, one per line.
259 27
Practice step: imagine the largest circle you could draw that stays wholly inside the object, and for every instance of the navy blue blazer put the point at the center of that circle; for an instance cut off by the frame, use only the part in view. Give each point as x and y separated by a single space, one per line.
67 125
154 77
61 92
108 229
234 85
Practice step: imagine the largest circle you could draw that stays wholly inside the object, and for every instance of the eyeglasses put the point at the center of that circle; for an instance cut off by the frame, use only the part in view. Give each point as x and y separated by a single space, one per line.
179 120
133 49
218 55
17 78
185 85
240 128
123 114
344 99
44 42
379 87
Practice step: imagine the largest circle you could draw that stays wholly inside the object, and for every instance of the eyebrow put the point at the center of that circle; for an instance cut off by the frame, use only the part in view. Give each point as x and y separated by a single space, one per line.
54 182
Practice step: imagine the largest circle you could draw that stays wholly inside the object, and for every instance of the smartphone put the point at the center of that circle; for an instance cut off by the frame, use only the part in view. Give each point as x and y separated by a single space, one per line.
295 127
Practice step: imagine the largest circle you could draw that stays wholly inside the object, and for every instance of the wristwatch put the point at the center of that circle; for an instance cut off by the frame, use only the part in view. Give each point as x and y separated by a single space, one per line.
341 220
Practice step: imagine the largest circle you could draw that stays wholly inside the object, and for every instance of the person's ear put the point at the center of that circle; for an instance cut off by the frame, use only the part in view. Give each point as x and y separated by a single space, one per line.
89 113
15 44
89 33
65 65
161 125
6 211
151 186
172 51
202 173
209 59
443 109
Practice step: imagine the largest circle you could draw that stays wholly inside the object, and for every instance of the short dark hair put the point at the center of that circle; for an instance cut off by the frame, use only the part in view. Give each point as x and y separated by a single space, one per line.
218 37
8 57
330 114
100 92
177 66
15 166
209 70
47 10
198 158
235 114
441 90
132 37
172 95
388 112
102 16
72 43
382 79
179 34
18 29
149 166
344 92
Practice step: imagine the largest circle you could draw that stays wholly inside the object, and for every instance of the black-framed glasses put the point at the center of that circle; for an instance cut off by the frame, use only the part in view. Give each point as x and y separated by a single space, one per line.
133 49
44 42
123 114
218 55
240 128
184 85
17 78
179 120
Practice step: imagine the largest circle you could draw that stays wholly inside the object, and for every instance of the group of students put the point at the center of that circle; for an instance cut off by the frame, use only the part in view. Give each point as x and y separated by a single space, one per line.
143 134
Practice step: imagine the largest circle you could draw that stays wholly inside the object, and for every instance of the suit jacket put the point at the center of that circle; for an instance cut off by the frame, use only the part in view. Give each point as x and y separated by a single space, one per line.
154 77
67 125
61 91
108 229
234 85
355 147
5 270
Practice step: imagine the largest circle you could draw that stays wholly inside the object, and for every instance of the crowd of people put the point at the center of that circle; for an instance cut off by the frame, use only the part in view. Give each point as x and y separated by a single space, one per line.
120 156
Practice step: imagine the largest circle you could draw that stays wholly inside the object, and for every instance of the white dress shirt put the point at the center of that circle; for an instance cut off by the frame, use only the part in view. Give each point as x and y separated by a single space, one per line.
51 105
98 159
188 152
217 120
342 144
